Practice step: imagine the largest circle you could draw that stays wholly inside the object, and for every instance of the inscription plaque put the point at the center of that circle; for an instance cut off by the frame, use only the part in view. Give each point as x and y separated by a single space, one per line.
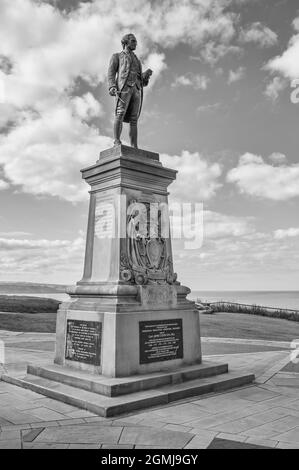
83 341
160 340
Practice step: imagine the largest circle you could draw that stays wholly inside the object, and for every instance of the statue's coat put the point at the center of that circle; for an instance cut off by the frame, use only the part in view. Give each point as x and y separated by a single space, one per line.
118 72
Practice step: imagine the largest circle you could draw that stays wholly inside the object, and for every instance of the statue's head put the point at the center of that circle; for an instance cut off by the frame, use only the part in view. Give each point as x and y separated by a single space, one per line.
130 41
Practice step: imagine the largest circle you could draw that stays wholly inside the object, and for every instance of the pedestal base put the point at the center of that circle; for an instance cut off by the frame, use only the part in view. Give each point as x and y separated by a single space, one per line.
111 397
119 331
129 343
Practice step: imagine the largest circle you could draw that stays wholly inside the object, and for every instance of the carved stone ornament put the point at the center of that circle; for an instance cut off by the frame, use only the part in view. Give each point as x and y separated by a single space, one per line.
146 259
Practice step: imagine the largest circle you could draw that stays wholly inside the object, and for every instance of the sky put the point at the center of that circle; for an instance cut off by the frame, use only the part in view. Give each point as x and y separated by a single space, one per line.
222 108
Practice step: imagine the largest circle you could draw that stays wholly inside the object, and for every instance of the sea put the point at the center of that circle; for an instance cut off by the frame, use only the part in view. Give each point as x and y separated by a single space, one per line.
276 299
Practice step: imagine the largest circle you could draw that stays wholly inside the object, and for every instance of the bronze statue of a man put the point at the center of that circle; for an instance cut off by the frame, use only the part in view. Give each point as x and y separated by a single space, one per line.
126 82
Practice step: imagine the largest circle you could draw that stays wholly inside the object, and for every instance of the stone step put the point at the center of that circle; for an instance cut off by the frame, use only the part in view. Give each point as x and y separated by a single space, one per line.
113 406
112 387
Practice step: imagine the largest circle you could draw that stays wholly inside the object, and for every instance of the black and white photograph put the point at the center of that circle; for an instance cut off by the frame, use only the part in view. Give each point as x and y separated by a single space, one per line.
149 228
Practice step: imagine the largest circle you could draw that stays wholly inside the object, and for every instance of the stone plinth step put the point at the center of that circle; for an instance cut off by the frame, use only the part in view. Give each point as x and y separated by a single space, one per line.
112 406
112 387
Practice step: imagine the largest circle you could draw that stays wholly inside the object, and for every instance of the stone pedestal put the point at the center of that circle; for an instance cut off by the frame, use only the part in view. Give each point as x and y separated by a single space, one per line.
128 338
129 295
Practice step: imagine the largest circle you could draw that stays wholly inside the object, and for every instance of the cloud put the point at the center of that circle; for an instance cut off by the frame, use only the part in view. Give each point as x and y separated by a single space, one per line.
44 155
156 62
193 227
278 158
86 106
255 177
275 87
236 75
286 233
40 258
198 82
259 34
3 185
14 234
218 225
197 180
207 107
12 244
46 121
8 115
288 62
212 52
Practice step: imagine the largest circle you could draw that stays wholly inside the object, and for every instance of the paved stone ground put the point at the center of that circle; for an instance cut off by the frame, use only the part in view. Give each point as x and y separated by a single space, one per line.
266 413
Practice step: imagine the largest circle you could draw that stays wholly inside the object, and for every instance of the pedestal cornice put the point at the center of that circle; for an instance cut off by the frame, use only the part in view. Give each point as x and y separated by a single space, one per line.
123 166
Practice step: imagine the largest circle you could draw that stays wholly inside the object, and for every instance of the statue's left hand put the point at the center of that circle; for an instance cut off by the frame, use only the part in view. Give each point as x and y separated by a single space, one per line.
148 73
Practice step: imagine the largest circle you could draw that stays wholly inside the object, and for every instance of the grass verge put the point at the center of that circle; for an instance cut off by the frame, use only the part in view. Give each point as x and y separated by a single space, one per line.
234 325
37 323
255 310
27 304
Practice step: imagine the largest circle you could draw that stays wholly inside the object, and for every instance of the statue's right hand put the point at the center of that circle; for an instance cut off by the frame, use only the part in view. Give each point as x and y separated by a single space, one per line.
112 91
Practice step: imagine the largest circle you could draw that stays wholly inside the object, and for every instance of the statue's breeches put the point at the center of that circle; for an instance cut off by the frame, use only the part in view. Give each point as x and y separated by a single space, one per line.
129 105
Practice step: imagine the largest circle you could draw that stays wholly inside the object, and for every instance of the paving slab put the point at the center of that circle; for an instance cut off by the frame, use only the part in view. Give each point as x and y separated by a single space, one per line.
33 345
43 445
4 422
291 436
280 400
11 444
176 427
6 435
231 437
17 426
117 446
218 443
150 436
274 428
152 423
255 394
82 434
236 348
180 414
72 421
199 442
98 420
46 414
261 442
292 367
285 445
148 447
14 416
44 424
227 416
204 434
240 426
53 405
81 414
29 436
286 381
256 342
83 446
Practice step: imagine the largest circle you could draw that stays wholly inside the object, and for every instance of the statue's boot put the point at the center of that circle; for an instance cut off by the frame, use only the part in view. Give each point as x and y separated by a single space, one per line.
133 135
118 125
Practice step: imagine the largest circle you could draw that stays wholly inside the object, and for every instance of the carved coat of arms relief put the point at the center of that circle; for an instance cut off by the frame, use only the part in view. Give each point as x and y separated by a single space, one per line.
147 256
